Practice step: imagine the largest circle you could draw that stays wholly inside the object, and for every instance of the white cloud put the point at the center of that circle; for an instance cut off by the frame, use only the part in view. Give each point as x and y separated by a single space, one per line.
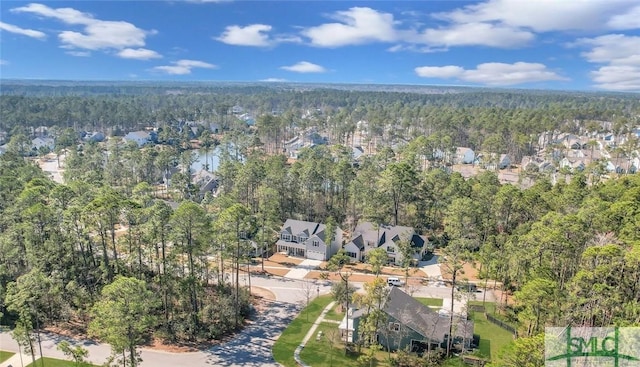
611 48
446 72
23 31
541 15
66 15
251 35
79 53
96 35
356 26
493 73
183 67
620 56
256 35
417 48
138 54
628 20
360 25
304 67
4 62
617 77
273 80
483 34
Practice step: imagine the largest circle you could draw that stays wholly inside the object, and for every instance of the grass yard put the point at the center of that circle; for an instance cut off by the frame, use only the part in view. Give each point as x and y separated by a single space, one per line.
329 350
52 362
334 315
5 355
295 332
431 302
492 337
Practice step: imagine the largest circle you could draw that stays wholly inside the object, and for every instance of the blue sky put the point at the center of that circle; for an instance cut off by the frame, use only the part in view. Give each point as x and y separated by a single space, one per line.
541 44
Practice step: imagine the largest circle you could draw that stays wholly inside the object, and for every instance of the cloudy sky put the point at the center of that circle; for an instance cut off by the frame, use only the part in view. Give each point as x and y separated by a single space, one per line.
541 44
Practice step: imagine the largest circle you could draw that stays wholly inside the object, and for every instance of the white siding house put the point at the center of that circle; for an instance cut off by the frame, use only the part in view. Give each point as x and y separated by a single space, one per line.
464 155
308 240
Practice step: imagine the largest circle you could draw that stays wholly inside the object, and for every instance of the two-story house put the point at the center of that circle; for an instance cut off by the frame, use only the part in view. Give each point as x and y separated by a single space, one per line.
412 325
308 239
368 236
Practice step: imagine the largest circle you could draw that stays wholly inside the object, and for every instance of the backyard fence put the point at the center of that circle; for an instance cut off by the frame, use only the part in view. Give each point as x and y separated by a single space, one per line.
502 324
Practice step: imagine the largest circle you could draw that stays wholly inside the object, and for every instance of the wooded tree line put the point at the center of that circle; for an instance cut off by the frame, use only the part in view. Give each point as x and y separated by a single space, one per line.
568 253
500 121
63 246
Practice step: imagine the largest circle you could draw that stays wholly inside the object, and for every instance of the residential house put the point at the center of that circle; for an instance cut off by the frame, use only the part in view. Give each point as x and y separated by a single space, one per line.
412 325
308 240
206 182
38 143
571 165
310 139
139 137
94 136
368 236
465 155
494 161
357 152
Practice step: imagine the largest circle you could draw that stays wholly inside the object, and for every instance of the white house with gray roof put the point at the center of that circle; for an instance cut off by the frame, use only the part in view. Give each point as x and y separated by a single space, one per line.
139 137
368 236
308 239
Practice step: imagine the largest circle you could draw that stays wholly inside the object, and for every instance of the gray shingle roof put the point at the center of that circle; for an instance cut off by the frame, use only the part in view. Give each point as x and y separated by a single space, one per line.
298 227
422 319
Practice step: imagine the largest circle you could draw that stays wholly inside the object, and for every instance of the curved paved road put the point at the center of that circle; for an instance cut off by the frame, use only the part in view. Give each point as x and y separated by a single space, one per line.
251 347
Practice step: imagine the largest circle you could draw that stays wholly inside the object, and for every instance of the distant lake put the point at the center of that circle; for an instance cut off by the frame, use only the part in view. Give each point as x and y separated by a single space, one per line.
204 158
212 158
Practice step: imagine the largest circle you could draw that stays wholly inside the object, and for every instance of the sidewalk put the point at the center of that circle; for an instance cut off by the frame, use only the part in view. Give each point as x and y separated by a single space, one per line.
300 271
296 353
15 360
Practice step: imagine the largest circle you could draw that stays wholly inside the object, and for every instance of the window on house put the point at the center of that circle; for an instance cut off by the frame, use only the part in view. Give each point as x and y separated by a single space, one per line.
286 237
352 254
390 249
302 239
316 243
295 239
394 326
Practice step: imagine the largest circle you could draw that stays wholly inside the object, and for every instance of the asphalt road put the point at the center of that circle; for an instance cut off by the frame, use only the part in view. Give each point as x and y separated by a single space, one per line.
251 347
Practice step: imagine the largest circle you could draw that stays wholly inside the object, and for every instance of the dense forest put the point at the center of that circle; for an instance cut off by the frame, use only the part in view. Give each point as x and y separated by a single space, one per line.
477 118
564 253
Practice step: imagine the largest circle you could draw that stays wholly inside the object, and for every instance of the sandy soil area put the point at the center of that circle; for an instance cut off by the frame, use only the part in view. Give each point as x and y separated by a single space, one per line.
49 165
279 259
470 272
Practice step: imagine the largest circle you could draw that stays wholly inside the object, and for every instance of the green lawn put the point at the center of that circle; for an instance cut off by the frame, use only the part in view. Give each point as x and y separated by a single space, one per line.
329 350
333 314
52 362
435 302
5 355
295 332
492 337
